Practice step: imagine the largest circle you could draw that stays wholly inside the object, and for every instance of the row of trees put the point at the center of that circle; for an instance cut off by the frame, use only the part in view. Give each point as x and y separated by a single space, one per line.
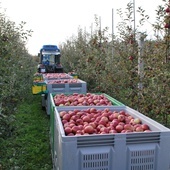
16 70
118 64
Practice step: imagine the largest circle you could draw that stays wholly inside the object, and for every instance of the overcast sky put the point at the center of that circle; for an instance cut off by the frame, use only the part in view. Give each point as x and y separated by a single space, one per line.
54 21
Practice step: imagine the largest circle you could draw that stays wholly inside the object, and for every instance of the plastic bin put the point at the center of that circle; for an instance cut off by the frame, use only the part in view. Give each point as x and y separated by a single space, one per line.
52 104
78 87
51 108
39 88
122 151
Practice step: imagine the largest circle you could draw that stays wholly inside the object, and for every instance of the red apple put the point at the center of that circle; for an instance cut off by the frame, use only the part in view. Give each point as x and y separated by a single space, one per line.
115 122
106 114
104 129
119 128
79 122
93 110
115 114
121 118
75 129
105 119
70 134
167 25
86 119
64 121
145 127
68 130
89 129
167 10
128 127
66 117
80 127
131 58
122 112
139 129
99 127
102 122
93 124
112 131
111 117
74 117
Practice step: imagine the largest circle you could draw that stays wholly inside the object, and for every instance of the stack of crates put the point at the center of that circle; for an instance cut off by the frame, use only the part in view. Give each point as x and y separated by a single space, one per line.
65 87
121 151
47 77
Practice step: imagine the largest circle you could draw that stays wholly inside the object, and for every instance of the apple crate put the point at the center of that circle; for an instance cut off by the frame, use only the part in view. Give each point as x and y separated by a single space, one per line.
53 76
78 87
51 107
121 151
51 100
39 88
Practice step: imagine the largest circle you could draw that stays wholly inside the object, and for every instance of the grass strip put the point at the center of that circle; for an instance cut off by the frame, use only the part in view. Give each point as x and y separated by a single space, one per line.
28 148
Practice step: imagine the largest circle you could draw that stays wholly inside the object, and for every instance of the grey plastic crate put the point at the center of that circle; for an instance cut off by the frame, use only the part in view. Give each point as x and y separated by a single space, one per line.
51 112
130 151
113 100
80 87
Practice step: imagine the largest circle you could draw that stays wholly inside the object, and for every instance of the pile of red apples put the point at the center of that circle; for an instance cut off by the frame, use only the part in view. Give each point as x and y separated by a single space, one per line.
63 81
76 99
93 121
56 75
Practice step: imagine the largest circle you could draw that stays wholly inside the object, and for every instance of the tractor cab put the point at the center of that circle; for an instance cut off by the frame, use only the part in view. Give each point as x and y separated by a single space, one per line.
50 60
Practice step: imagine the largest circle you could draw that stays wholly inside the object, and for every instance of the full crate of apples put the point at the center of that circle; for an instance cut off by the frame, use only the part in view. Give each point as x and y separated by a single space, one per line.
94 131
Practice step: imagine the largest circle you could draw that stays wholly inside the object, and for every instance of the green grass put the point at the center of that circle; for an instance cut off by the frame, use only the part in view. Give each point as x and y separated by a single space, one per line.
28 148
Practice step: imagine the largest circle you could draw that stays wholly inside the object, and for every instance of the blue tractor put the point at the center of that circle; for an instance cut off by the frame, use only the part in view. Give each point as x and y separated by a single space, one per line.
50 59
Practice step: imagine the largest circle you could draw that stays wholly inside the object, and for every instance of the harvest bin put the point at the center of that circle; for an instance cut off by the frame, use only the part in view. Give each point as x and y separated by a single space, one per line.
79 87
39 88
113 100
121 151
52 106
